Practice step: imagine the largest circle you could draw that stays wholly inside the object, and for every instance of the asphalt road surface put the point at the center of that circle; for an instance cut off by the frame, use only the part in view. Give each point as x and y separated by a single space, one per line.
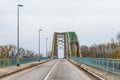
59 69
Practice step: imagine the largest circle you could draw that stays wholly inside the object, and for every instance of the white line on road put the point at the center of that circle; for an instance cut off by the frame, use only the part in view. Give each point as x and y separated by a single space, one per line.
51 71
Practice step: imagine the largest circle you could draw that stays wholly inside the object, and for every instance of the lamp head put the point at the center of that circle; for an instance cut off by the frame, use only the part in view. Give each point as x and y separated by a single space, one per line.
20 5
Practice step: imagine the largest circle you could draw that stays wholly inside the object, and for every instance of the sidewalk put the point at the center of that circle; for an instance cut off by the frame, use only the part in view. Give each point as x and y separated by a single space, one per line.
97 72
14 69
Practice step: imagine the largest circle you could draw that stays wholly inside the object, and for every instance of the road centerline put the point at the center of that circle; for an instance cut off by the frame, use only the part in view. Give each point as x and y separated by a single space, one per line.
51 71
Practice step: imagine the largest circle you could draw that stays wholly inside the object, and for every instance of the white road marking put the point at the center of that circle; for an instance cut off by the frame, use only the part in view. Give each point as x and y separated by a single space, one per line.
51 71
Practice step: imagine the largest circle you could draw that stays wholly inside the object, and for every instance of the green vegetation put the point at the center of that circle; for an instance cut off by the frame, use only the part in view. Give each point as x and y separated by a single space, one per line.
116 54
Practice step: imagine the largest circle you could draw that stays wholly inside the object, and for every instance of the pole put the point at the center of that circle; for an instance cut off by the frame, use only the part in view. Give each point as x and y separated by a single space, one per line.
39 42
49 49
46 47
18 63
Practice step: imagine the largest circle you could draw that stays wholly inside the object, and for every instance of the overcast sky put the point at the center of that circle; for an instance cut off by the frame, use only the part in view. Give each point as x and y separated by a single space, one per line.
94 21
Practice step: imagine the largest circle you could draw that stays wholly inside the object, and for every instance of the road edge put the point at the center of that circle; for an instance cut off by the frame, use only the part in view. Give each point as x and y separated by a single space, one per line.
21 69
86 70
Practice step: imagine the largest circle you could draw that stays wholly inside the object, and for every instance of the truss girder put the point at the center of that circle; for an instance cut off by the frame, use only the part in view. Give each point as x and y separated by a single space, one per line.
66 41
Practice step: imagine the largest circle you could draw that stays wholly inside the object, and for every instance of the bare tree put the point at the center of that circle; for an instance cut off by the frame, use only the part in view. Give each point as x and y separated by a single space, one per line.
118 37
84 51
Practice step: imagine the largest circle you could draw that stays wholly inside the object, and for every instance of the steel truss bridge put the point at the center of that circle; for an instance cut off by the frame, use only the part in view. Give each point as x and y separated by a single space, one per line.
68 42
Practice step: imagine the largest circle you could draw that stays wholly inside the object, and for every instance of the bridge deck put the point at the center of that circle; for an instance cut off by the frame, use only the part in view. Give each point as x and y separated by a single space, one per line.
59 69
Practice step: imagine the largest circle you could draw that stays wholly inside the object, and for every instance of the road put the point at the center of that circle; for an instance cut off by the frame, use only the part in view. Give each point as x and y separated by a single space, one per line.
59 69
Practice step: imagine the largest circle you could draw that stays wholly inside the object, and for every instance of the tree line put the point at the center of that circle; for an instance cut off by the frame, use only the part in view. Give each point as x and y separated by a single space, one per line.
10 51
105 50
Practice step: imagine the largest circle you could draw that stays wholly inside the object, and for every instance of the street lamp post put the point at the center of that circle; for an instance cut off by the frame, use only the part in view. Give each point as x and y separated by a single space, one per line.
46 47
18 6
49 49
39 43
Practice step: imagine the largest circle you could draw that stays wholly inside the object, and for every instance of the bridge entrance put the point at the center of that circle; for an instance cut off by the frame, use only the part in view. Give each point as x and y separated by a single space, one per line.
65 45
59 45
60 53
60 37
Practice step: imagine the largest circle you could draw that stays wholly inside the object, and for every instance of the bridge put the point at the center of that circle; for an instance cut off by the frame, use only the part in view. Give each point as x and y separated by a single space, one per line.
66 41
72 67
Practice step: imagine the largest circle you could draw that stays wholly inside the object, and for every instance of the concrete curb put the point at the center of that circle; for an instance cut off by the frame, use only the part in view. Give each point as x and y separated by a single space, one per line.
21 69
86 69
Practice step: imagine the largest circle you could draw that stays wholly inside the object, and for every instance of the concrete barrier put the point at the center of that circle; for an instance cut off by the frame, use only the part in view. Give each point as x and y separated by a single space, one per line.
86 69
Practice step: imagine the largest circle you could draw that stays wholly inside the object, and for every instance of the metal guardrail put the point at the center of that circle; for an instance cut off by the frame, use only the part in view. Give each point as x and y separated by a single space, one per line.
107 64
13 61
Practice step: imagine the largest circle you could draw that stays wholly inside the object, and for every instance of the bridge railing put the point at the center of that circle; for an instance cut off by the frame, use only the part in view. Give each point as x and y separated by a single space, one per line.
108 64
13 61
